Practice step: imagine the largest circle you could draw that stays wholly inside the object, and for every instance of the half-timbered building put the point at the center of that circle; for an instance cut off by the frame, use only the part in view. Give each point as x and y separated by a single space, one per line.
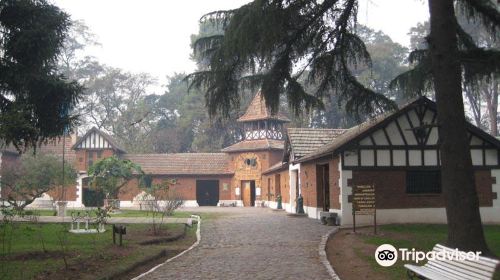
399 154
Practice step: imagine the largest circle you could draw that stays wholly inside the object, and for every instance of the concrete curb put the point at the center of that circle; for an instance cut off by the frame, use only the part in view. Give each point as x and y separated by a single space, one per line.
322 253
198 239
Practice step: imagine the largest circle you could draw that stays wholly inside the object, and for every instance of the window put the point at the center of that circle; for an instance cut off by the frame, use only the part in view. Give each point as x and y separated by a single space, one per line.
423 182
99 154
251 162
90 158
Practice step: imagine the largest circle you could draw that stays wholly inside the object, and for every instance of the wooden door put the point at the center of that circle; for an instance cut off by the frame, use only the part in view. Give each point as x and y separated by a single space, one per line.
246 193
323 186
277 184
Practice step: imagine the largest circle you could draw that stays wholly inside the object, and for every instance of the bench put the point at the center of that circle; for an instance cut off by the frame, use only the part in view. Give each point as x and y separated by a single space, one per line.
445 269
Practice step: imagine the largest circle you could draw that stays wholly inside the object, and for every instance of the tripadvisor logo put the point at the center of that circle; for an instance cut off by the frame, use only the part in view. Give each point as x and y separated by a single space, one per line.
387 255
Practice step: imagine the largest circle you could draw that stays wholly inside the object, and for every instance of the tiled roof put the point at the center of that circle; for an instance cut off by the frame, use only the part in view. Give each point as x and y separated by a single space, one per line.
306 140
182 163
257 110
277 167
373 124
52 147
55 147
255 145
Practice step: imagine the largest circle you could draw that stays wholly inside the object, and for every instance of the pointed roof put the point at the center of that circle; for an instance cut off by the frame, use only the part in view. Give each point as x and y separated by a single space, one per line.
362 130
303 141
106 143
257 110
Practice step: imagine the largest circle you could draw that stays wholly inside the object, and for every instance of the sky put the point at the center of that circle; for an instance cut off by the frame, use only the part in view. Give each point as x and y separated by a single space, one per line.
153 36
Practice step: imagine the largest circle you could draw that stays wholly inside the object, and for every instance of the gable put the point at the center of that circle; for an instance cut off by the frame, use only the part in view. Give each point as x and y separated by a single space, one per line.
407 137
411 139
95 139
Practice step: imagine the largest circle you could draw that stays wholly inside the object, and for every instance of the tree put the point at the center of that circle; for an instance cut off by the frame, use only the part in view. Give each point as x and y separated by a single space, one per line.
35 100
33 176
482 95
272 42
111 174
388 60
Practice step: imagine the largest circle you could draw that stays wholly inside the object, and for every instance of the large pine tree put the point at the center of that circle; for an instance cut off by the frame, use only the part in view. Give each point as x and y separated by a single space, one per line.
272 43
35 101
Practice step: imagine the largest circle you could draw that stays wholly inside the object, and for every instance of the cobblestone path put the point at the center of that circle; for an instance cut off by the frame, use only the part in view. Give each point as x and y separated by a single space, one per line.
251 243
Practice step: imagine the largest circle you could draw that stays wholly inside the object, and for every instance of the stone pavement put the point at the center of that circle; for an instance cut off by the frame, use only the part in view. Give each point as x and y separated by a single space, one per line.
251 243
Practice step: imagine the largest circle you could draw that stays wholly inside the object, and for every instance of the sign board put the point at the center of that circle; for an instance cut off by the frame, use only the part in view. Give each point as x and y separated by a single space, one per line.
237 191
363 203
363 200
257 191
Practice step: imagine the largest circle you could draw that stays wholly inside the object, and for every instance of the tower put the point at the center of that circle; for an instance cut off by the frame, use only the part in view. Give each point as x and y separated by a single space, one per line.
261 147
259 123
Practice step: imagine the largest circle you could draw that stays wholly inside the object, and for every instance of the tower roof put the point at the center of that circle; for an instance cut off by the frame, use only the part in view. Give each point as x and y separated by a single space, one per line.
257 110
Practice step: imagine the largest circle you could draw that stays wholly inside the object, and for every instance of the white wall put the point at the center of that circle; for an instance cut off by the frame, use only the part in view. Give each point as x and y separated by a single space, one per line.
294 175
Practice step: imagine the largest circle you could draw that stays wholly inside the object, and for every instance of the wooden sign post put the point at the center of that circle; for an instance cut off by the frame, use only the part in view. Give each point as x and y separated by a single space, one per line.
363 203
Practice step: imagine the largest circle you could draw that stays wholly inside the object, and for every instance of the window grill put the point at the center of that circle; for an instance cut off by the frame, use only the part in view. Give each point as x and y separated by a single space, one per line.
422 182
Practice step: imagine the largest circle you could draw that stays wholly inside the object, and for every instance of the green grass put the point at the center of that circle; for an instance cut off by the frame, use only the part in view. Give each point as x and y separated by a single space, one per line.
121 213
91 256
421 237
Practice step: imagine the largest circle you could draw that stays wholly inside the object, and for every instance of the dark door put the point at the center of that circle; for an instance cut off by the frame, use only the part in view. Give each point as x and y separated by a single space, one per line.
207 192
91 197
323 186
277 184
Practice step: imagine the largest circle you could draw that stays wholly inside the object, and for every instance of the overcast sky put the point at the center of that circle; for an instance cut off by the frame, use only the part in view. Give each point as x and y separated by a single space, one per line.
153 36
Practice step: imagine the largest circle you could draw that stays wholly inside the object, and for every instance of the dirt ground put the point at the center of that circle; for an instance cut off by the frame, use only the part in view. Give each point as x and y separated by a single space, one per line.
350 255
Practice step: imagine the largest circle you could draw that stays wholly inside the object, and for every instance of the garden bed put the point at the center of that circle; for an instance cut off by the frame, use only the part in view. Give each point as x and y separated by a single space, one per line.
38 251
352 254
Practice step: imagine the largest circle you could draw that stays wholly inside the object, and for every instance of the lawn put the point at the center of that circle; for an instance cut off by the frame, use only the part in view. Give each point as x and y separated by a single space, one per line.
121 213
38 251
134 213
356 257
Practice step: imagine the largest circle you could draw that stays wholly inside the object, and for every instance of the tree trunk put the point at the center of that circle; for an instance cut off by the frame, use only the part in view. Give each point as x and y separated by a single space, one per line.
465 229
490 91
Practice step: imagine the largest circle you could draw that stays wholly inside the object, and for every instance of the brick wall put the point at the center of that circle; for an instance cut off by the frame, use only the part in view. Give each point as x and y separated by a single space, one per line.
334 183
82 157
269 186
311 193
390 188
185 186
69 193
274 157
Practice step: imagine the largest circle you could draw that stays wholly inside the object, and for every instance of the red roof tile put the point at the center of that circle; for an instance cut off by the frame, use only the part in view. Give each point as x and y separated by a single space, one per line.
280 166
257 110
255 145
182 163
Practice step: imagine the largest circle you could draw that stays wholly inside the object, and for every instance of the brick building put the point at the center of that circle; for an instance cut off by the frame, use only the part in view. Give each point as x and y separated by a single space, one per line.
398 153
233 176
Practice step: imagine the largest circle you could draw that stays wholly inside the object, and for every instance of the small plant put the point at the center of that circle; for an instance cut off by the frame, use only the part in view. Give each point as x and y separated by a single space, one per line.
62 238
161 200
102 216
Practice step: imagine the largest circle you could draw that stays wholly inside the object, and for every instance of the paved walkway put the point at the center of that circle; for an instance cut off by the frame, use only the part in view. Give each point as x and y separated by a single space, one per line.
251 243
